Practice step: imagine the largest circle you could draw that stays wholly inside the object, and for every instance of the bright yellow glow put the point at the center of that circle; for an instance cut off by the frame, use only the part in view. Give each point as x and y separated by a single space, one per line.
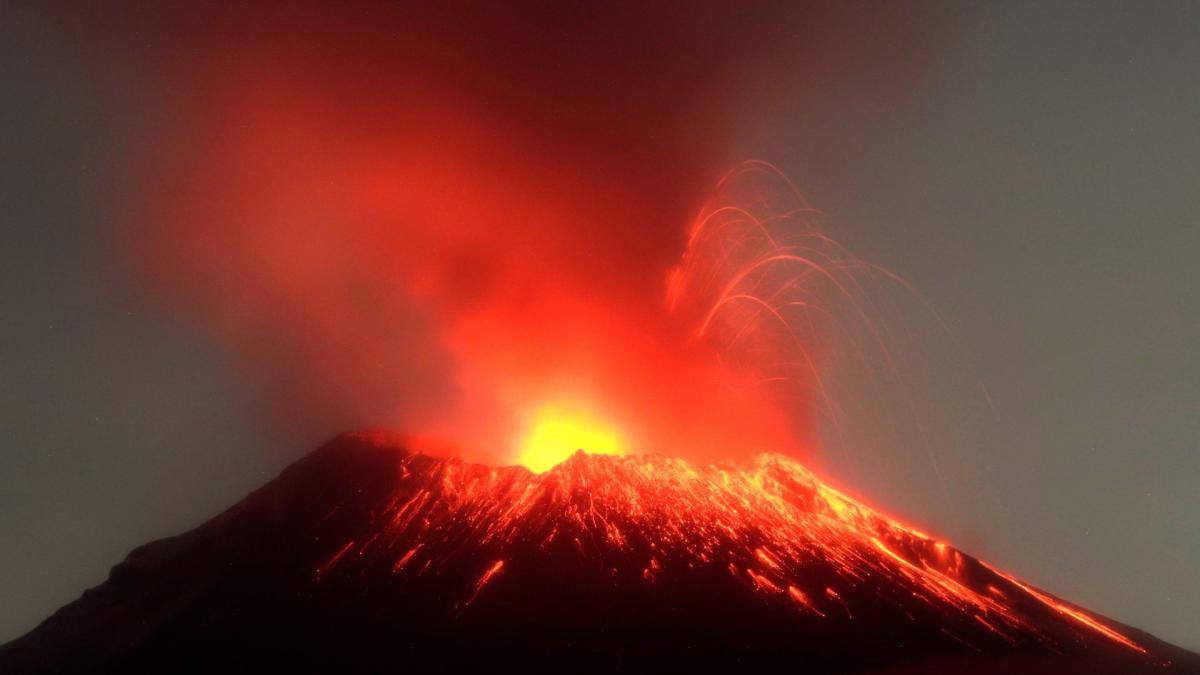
555 433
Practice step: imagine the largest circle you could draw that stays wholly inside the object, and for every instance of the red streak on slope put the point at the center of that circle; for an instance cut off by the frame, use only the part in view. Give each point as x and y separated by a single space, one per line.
1077 615
323 569
484 579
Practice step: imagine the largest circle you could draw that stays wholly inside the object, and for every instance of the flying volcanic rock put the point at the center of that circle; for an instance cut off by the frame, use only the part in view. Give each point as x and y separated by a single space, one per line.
365 557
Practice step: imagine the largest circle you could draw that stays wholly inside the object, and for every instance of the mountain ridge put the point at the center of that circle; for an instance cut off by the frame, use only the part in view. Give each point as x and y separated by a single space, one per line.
363 554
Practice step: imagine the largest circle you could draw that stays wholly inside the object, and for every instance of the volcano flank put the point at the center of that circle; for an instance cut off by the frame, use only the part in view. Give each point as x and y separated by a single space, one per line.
366 557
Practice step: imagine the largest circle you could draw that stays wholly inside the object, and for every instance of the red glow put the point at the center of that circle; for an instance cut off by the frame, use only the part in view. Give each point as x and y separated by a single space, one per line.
405 282
389 221
404 218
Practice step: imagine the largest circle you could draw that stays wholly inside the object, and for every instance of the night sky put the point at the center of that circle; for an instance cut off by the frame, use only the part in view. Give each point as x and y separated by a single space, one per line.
1031 169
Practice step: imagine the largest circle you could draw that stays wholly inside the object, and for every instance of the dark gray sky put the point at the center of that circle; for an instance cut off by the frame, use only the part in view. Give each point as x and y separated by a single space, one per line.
1036 180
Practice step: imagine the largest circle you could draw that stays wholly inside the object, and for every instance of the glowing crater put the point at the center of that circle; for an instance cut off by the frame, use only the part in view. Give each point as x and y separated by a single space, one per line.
555 432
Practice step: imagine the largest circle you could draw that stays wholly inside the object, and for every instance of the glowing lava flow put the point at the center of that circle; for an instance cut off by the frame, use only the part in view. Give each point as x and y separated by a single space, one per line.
771 525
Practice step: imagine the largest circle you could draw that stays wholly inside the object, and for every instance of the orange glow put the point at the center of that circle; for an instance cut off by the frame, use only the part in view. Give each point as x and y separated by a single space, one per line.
405 258
555 433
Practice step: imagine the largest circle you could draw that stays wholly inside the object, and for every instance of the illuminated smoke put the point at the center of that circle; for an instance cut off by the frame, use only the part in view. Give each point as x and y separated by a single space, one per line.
444 222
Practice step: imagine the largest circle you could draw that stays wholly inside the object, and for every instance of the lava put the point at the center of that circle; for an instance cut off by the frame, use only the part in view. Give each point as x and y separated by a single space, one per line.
770 524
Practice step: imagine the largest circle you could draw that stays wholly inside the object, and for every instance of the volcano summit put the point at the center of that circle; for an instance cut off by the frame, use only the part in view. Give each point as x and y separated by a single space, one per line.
365 557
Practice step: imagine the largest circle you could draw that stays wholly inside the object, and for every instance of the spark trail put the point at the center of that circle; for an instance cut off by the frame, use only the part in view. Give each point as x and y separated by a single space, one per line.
807 320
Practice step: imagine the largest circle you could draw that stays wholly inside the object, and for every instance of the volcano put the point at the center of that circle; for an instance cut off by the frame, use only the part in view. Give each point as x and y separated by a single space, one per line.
366 557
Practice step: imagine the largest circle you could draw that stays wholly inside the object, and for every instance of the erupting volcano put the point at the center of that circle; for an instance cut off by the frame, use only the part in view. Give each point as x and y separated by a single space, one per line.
364 556
379 552
635 391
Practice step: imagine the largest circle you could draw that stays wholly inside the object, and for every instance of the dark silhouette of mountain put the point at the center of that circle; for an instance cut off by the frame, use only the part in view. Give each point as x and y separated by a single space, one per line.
363 557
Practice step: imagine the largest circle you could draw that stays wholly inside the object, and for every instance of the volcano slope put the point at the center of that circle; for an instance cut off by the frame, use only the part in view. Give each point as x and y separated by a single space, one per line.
365 557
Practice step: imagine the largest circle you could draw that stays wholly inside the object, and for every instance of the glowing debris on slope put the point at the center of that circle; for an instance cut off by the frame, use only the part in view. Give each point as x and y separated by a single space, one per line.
769 524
